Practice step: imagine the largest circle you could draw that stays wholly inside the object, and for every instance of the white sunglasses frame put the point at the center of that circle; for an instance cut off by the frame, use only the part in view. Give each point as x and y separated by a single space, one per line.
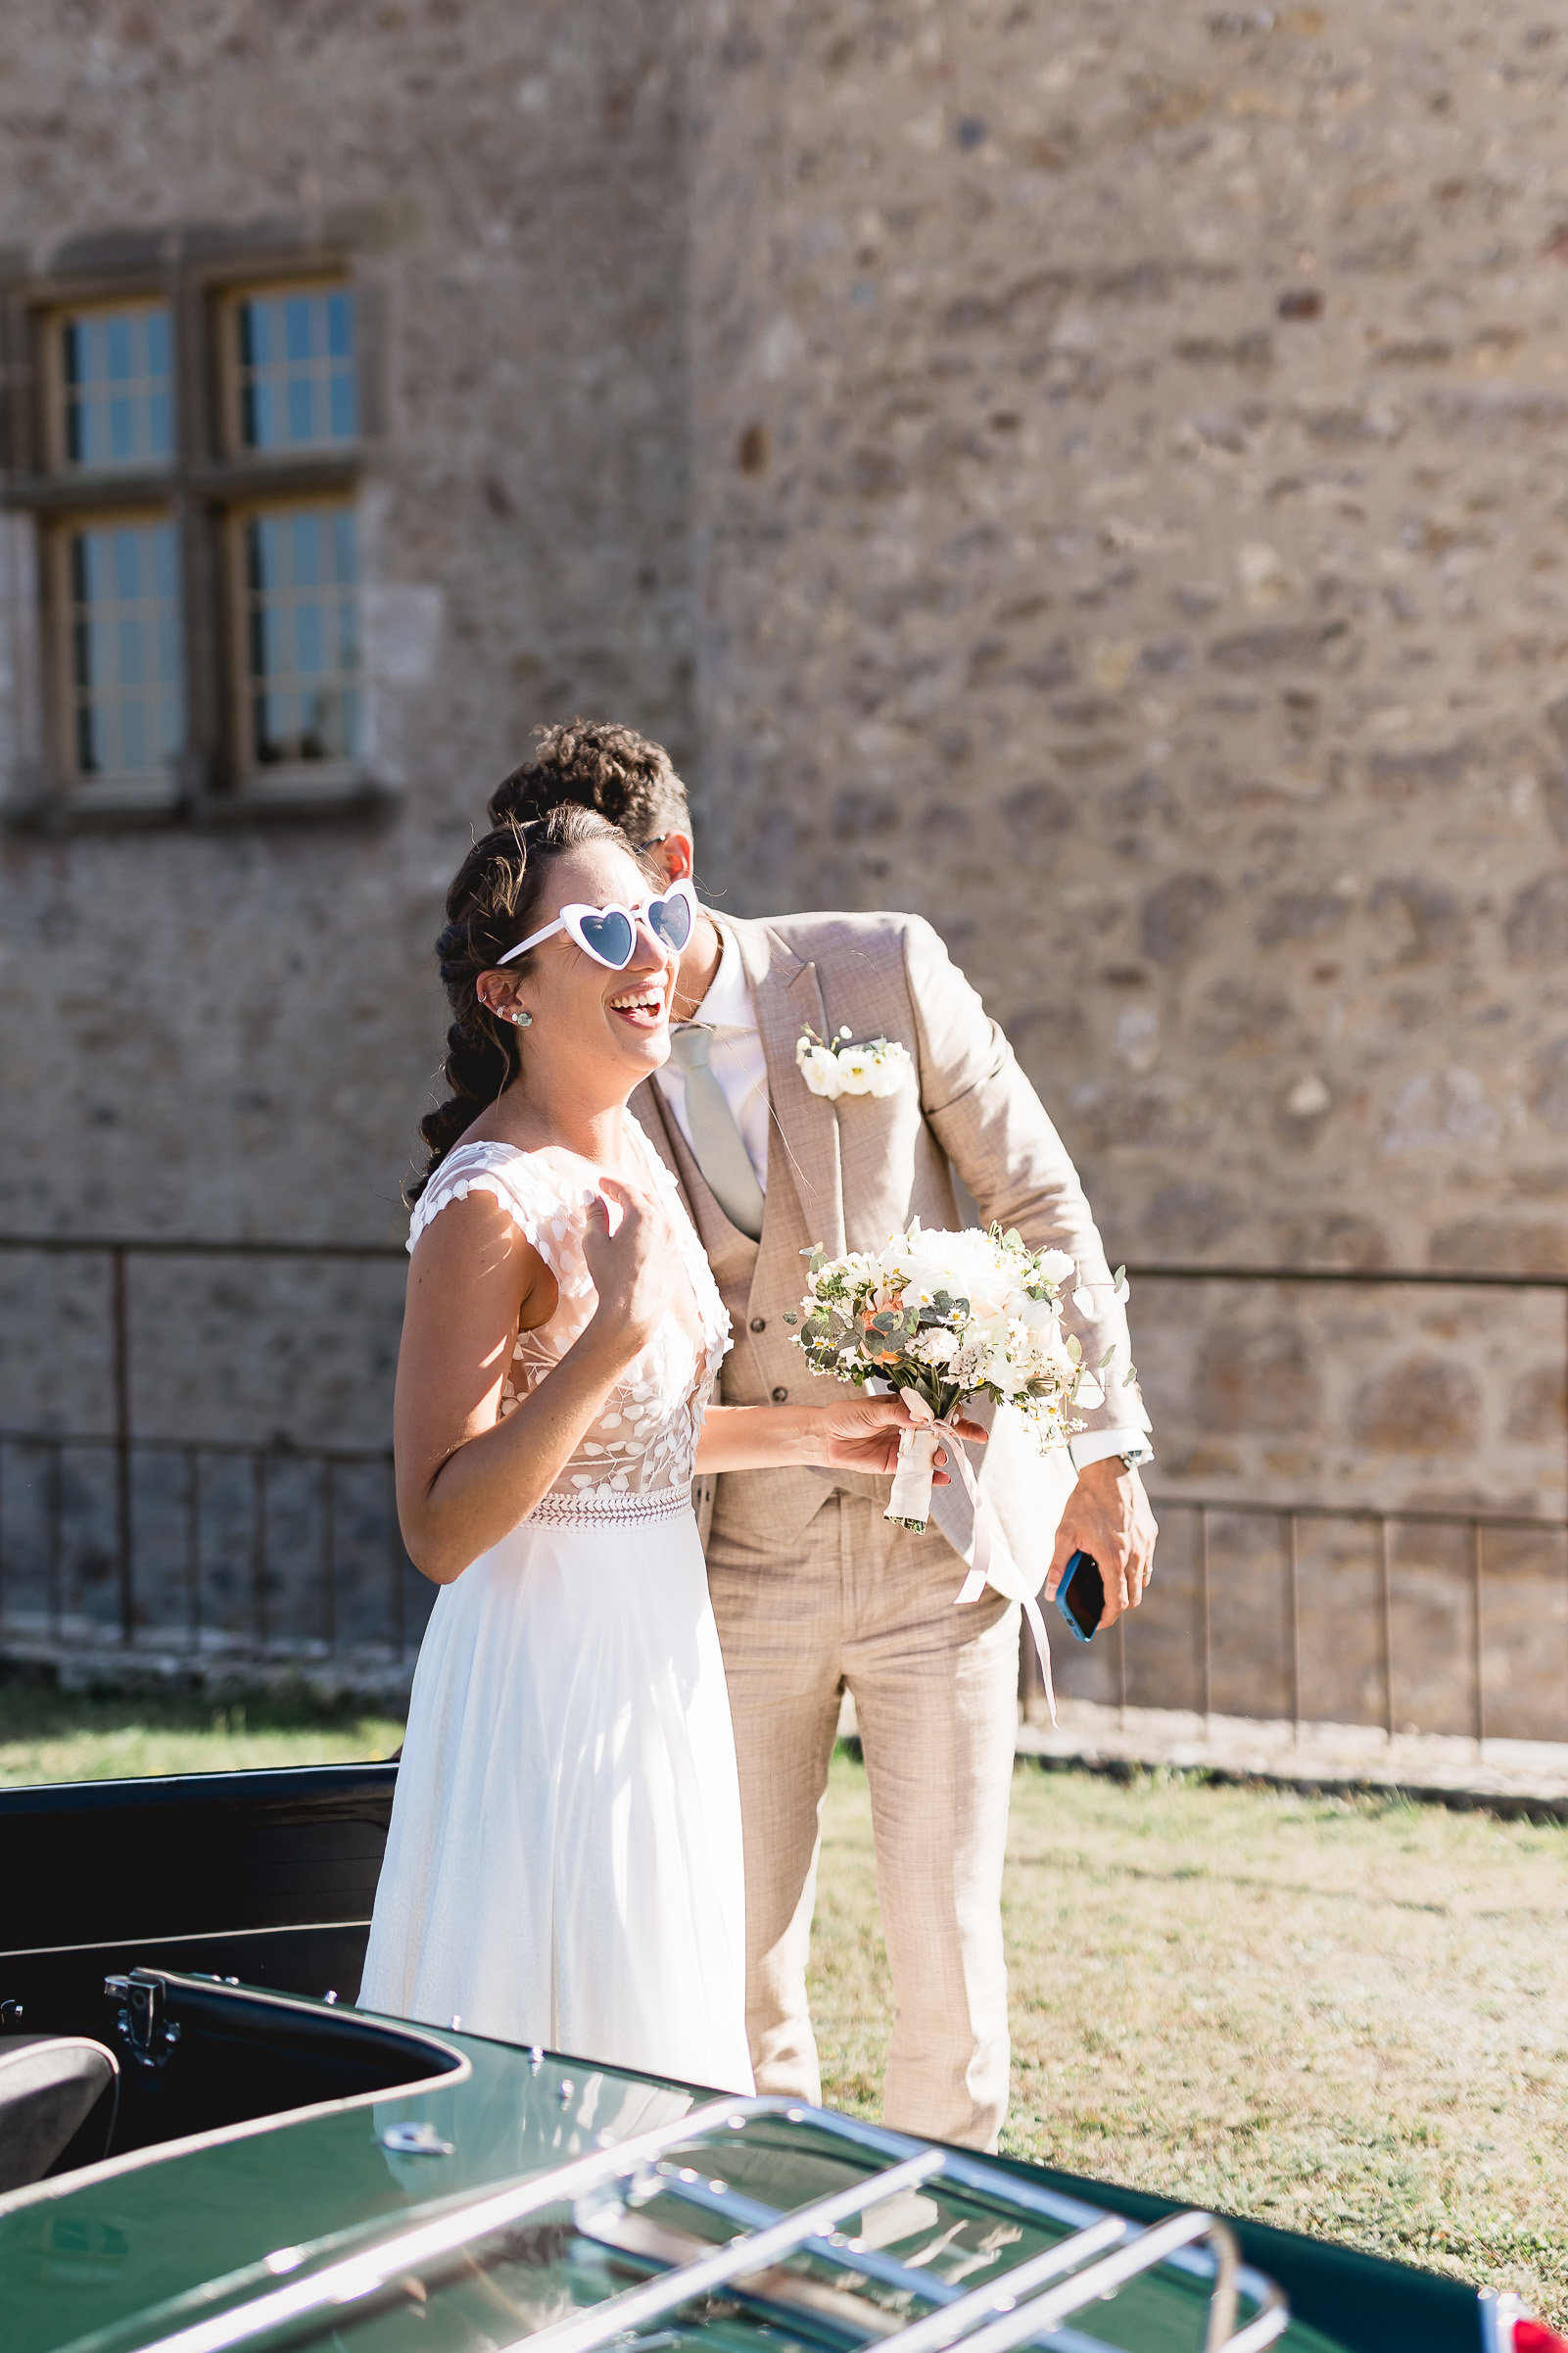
681 889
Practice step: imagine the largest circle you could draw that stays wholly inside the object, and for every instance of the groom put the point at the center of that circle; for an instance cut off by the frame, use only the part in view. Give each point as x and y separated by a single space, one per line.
813 1589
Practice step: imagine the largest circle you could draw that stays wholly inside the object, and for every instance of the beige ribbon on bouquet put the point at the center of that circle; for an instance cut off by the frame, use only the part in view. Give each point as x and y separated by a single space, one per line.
985 1569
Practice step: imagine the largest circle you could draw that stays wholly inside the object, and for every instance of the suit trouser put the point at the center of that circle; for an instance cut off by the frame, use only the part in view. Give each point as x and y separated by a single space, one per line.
861 1602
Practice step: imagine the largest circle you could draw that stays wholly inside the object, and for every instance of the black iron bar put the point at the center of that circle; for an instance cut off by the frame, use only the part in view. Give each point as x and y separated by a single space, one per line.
259 1546
1235 1508
1475 1635
329 1591
56 1245
246 1448
120 1358
1370 1279
193 1544
59 1245
55 1476
1294 1626
1207 1686
1387 1582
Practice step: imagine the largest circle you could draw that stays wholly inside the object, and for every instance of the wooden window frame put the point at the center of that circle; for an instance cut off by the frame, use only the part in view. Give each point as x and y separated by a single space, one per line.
226 337
145 793
258 782
51 333
209 481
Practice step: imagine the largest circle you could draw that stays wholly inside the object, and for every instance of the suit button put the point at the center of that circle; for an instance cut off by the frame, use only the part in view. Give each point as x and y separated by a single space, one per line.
779 1396
759 1322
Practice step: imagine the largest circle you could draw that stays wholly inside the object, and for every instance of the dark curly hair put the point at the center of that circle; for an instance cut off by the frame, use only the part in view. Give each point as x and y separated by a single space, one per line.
597 766
490 908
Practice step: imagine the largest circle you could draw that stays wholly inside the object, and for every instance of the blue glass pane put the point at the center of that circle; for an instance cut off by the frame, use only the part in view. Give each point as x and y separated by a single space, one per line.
126 648
127 547
310 641
297 321
307 550
118 387
296 386
342 423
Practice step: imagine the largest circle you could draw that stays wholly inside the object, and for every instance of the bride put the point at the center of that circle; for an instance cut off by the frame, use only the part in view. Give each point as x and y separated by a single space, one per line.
564 1862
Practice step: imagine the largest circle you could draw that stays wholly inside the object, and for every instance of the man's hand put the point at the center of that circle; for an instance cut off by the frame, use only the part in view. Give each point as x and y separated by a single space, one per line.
1107 1517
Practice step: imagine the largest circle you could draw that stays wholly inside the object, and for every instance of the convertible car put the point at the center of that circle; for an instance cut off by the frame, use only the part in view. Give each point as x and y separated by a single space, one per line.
203 2145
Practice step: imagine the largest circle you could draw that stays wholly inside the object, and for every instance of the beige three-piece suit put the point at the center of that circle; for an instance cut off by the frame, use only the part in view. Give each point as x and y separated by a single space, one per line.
813 1589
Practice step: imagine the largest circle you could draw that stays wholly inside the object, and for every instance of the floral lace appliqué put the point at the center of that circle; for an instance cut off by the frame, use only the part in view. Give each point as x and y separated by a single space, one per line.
644 1442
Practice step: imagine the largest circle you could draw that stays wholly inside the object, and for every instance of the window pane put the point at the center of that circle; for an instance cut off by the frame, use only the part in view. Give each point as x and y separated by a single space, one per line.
297 370
125 641
300 639
116 367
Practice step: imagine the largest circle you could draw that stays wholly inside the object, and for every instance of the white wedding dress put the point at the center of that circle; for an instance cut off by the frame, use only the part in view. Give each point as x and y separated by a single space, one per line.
564 1862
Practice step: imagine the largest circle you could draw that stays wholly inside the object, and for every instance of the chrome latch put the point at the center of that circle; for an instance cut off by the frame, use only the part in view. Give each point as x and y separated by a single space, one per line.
148 2035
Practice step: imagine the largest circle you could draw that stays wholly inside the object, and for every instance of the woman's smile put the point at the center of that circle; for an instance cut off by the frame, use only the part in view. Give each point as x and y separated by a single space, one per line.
643 1004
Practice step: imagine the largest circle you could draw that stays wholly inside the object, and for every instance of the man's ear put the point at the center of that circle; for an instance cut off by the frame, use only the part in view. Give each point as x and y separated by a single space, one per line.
674 855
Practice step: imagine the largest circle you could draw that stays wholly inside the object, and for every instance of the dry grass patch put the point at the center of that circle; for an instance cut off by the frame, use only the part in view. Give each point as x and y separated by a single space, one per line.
1347 2017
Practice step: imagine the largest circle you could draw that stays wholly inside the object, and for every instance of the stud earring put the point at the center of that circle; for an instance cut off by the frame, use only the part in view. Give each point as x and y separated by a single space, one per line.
524 1020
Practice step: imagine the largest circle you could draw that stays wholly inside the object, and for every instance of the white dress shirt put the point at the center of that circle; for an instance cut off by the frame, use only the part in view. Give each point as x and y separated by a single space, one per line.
736 1058
738 1062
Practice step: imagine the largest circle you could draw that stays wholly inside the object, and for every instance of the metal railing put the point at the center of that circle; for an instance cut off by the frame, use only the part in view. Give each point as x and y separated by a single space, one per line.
182 1613
37 1584
186 1534
1144 1673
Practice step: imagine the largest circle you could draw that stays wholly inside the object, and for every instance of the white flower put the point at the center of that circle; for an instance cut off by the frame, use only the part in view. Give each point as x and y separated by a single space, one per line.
890 1066
1056 1265
938 1346
1084 1300
818 1068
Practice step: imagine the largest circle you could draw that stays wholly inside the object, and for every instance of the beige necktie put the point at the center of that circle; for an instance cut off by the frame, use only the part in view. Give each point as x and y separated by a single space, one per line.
717 1144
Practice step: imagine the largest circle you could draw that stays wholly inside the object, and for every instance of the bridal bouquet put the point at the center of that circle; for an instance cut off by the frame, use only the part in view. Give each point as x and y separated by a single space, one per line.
941 1316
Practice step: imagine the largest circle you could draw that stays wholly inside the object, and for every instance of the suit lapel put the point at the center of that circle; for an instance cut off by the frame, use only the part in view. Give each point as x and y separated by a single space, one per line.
652 1115
803 1127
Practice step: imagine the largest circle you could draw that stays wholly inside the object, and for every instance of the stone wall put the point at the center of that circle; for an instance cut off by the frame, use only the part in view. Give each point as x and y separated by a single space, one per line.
1131 452
1095 474
233 1033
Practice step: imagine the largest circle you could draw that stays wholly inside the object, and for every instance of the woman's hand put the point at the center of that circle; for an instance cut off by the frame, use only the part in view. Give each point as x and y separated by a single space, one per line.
636 1271
862 1435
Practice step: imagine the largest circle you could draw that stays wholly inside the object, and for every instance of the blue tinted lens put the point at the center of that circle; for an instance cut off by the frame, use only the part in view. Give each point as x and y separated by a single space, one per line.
670 921
609 936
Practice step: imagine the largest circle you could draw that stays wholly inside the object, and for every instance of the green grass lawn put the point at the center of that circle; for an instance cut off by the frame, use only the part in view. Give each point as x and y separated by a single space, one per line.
47 1736
1347 2017
1350 2017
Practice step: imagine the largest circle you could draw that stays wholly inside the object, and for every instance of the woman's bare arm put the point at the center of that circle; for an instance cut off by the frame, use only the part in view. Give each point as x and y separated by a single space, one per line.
466 1477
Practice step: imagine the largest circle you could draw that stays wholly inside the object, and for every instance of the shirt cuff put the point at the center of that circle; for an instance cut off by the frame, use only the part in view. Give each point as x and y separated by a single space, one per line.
1097 1446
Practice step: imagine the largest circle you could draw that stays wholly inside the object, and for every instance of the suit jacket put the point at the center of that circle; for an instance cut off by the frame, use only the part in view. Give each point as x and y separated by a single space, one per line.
851 1173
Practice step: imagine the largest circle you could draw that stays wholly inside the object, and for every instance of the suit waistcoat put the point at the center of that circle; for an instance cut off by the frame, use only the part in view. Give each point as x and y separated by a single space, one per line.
743 1501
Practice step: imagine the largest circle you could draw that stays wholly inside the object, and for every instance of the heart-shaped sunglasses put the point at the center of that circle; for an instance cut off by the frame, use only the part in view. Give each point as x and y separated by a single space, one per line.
609 934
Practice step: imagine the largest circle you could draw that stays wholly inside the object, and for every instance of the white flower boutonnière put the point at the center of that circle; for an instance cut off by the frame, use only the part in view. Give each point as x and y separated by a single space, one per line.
835 1065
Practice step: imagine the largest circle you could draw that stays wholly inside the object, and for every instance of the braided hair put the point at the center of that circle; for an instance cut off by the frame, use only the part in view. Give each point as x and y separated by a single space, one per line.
490 908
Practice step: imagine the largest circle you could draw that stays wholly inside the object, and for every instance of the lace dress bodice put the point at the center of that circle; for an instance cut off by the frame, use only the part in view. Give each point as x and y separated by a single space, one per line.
636 1458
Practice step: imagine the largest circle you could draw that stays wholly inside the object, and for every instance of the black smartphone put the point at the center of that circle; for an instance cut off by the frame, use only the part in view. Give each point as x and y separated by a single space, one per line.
1080 1595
